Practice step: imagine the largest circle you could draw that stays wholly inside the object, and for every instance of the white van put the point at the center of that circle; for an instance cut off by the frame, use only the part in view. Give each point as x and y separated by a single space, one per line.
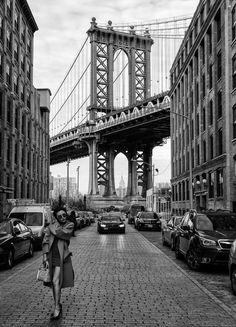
36 216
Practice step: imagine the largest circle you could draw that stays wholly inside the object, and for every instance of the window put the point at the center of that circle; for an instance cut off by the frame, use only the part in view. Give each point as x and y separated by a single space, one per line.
233 23
234 72
9 9
16 51
16 117
219 104
16 153
211 112
28 44
218 25
234 121
15 83
1 64
28 99
211 184
9 110
219 182
16 20
8 73
220 141
1 28
204 150
22 61
203 85
219 69
197 125
210 76
202 45
203 119
8 39
211 147
8 149
28 70
23 29
22 92
209 39
1 103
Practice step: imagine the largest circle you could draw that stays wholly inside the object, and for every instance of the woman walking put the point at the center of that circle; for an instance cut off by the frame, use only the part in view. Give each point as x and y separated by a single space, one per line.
57 256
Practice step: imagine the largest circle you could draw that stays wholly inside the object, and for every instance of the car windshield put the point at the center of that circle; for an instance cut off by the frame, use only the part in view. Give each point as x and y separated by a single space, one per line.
5 228
177 220
203 223
111 219
34 219
148 215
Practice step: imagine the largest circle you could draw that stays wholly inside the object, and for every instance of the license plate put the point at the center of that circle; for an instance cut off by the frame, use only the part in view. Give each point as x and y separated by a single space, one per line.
149 225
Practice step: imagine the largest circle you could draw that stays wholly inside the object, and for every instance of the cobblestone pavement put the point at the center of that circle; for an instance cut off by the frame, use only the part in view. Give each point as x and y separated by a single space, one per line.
214 277
121 280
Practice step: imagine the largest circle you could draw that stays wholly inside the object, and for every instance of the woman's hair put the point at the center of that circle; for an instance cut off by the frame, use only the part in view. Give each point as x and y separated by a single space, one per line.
59 209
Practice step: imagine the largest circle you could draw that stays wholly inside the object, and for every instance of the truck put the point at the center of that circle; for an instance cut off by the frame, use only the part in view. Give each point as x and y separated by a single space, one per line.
133 210
35 215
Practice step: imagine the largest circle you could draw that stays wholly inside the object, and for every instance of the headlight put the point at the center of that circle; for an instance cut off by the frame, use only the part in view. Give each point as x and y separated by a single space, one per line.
233 247
122 225
141 220
207 242
103 225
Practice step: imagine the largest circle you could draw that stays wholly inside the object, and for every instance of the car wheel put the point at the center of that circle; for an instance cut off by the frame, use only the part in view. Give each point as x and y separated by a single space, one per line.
172 246
177 252
10 259
163 240
31 250
192 260
233 280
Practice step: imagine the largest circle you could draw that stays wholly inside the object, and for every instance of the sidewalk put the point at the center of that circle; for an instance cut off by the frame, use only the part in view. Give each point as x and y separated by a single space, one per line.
121 281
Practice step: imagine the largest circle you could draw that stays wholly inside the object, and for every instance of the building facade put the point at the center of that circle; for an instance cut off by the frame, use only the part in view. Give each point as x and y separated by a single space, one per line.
24 111
203 111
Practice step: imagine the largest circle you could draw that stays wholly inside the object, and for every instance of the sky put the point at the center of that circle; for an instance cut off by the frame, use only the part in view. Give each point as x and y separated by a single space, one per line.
62 31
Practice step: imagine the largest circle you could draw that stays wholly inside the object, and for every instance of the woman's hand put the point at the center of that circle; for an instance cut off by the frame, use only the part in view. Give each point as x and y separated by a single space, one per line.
45 259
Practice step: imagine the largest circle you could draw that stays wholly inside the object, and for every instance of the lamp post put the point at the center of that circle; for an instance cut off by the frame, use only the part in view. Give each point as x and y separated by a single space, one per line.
78 179
68 183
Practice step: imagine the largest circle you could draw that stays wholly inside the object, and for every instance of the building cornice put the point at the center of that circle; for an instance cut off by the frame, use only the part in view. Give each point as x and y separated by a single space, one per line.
28 14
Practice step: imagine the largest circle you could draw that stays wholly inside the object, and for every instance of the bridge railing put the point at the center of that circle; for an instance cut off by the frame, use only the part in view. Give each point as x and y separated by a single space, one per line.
88 130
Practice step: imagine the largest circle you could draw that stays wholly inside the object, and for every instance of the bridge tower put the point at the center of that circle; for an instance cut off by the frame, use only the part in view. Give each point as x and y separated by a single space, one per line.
105 42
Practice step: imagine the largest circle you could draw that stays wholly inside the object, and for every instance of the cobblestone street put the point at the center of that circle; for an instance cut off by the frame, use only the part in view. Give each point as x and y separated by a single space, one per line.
121 280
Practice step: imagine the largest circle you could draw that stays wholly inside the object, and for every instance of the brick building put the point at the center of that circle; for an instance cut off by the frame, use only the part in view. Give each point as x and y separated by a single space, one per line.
203 112
24 111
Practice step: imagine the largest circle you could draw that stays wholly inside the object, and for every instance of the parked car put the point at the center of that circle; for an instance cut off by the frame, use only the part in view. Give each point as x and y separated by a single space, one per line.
169 231
110 223
36 216
147 220
16 240
205 237
232 266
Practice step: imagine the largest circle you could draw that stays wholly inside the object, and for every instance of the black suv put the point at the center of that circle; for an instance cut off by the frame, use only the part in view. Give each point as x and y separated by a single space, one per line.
205 237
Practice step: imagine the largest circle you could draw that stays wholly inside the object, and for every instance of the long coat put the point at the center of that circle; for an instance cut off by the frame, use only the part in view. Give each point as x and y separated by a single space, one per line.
63 233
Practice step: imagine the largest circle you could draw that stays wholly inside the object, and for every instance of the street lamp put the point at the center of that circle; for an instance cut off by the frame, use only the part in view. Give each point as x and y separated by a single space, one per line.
68 182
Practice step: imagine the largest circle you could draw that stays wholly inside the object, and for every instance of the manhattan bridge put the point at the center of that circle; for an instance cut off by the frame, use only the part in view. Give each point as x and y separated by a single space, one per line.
114 99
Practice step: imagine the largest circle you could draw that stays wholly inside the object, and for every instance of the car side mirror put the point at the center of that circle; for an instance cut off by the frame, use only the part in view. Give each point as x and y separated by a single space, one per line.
16 230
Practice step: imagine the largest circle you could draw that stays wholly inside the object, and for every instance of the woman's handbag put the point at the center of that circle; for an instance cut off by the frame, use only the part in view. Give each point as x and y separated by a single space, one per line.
43 273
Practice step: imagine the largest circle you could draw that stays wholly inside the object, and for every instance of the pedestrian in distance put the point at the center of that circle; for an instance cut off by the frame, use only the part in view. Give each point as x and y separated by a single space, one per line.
57 256
72 218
